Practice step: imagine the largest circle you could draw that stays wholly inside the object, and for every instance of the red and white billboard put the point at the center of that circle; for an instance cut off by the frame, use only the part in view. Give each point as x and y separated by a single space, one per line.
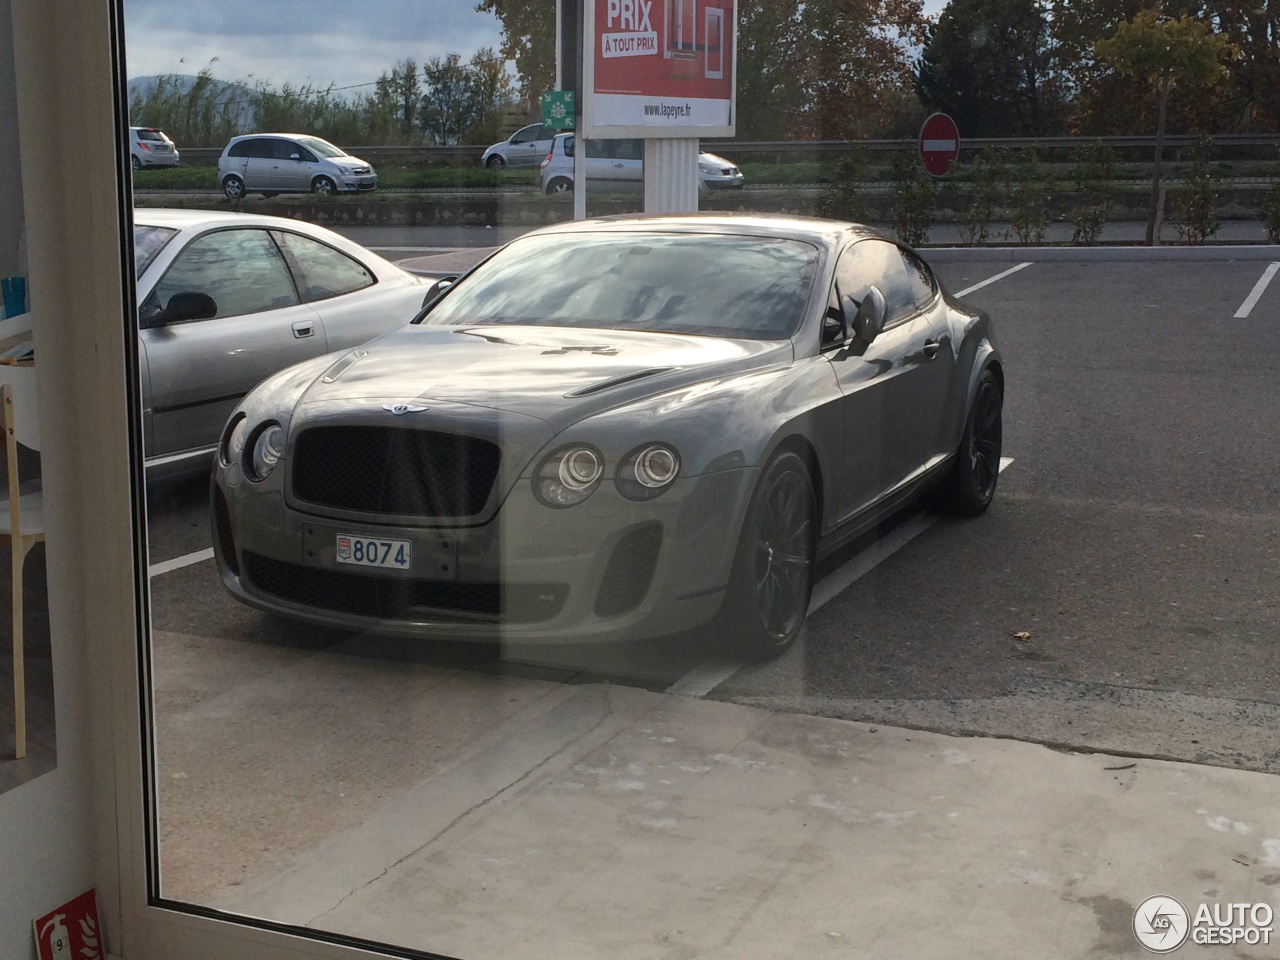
659 68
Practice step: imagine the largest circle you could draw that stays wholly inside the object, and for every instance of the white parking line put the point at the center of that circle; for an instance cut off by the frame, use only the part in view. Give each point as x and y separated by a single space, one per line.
1259 289
704 678
177 563
999 276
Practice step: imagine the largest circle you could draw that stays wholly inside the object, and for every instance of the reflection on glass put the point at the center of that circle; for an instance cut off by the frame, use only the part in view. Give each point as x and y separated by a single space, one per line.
419 729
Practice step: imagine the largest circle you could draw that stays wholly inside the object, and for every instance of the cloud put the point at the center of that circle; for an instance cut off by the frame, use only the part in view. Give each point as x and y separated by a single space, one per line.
319 42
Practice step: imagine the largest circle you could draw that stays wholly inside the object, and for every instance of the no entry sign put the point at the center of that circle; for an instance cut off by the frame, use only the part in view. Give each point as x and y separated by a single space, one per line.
939 144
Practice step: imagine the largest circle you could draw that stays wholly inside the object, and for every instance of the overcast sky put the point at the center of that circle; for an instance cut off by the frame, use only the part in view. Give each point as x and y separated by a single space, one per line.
300 41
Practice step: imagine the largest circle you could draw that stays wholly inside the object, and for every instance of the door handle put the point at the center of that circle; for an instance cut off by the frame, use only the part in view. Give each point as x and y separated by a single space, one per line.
303 329
931 348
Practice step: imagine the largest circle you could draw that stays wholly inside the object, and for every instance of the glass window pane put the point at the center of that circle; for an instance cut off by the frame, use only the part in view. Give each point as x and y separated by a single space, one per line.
323 271
241 269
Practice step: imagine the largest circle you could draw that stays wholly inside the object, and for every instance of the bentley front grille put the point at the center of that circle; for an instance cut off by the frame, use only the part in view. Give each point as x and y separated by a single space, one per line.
394 470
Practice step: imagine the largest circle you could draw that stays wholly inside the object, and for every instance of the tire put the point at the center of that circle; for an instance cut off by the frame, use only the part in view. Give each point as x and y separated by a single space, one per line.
768 597
495 162
137 164
970 485
324 187
233 187
560 185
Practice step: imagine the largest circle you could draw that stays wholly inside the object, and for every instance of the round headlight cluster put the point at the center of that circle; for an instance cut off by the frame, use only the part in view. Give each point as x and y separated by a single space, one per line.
568 476
571 474
647 471
257 450
268 448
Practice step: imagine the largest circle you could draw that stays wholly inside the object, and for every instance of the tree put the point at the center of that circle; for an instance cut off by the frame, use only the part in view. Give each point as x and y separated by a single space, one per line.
528 39
449 103
402 91
1183 52
491 89
992 65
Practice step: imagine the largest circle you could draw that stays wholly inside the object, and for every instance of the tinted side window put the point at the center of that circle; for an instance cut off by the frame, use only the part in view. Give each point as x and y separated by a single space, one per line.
920 277
261 148
242 270
240 149
321 270
527 134
877 262
288 149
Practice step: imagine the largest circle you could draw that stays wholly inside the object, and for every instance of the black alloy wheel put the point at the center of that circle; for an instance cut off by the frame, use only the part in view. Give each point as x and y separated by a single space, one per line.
970 486
768 599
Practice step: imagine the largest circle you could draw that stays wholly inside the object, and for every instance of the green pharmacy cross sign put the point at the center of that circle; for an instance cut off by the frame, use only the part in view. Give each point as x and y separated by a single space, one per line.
557 109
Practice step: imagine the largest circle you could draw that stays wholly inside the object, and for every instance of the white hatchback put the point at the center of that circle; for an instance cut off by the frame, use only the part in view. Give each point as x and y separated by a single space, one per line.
618 165
151 148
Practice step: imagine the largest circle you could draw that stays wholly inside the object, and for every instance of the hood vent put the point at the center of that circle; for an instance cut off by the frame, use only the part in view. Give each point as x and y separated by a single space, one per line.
619 381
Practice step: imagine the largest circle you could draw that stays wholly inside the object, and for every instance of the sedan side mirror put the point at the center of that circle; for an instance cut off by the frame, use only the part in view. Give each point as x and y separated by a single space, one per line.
869 320
437 288
188 305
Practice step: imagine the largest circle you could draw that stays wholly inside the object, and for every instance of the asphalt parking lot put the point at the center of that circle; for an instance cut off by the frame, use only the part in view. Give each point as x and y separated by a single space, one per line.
1119 596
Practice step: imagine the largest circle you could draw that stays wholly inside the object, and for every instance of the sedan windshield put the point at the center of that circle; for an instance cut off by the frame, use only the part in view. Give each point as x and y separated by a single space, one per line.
147 242
743 287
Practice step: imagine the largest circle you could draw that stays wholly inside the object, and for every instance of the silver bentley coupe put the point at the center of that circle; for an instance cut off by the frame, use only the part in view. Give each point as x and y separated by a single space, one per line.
614 429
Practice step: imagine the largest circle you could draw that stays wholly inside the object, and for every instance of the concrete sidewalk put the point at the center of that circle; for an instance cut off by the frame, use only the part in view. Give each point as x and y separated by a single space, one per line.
610 822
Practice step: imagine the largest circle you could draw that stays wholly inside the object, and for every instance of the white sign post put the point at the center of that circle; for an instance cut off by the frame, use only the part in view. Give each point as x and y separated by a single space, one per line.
663 71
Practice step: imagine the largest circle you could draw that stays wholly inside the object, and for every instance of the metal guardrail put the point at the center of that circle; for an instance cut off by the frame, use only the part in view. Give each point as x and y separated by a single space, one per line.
781 148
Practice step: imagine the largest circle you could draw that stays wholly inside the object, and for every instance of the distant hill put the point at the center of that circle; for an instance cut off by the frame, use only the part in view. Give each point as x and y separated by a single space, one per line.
181 84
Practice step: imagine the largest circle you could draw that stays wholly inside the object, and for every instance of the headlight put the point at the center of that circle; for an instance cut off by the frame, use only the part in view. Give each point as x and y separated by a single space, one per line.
708 168
568 476
233 440
268 448
647 471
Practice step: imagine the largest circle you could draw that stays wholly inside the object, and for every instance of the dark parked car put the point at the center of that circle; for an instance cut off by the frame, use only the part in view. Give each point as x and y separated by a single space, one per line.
614 429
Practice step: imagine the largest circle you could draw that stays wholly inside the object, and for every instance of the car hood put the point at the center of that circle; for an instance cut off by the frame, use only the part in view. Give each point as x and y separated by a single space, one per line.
555 374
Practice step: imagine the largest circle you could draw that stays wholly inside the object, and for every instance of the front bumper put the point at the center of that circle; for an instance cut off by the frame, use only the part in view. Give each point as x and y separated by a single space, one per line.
607 569
359 184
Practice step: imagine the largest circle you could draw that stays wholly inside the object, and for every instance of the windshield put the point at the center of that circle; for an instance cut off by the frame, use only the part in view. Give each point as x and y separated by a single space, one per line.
147 242
744 287
322 148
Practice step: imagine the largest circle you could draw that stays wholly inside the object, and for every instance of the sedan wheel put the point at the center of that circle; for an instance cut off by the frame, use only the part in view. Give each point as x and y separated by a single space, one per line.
971 484
768 598
233 187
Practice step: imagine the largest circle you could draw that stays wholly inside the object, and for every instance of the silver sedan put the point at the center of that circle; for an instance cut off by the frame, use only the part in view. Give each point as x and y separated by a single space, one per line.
227 299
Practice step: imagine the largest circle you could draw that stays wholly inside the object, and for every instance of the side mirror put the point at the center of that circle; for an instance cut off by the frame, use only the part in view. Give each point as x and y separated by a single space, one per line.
188 306
869 320
295 156
438 288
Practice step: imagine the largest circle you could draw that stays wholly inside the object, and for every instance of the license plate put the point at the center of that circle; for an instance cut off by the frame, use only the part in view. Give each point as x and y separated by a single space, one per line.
374 552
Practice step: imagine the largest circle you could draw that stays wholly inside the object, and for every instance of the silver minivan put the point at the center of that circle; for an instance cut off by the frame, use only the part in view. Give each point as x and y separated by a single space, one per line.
271 163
